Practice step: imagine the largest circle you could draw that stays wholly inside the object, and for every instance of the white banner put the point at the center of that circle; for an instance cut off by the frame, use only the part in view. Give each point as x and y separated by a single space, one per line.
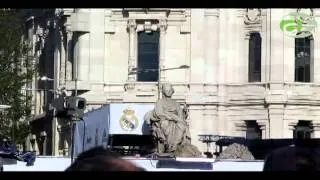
128 118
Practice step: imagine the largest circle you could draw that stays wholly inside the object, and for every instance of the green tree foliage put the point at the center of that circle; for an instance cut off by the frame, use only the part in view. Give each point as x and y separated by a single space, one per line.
16 70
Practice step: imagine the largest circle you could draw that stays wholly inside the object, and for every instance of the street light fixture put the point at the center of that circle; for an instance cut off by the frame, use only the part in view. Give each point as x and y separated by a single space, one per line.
2 106
140 70
45 78
57 91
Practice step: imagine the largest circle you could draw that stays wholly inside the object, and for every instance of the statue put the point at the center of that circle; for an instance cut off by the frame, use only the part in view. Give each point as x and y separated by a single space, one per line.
170 129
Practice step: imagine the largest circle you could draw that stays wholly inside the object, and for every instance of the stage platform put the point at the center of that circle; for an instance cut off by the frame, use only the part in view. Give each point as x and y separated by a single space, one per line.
49 163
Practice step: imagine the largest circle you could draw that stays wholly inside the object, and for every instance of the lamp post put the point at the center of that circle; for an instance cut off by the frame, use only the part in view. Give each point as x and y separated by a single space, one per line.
2 106
140 70
46 79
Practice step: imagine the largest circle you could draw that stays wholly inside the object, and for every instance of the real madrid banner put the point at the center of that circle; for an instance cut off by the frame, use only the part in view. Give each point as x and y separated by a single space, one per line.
128 118
111 119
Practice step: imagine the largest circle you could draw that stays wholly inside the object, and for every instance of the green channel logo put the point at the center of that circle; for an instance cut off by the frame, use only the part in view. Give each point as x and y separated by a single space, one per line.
298 25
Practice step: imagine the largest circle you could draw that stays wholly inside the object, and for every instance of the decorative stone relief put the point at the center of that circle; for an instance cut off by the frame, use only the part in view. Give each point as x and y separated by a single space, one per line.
163 25
252 21
59 12
148 27
308 11
131 25
252 16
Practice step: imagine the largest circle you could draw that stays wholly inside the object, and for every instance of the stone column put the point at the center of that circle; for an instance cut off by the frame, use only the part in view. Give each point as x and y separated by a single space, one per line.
163 28
316 50
316 130
197 47
277 50
69 52
245 60
212 45
244 47
196 125
276 114
62 75
276 97
95 48
291 126
263 127
82 56
208 121
132 36
222 120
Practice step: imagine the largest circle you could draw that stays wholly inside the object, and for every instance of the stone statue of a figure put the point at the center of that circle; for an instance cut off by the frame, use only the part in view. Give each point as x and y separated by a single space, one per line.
169 126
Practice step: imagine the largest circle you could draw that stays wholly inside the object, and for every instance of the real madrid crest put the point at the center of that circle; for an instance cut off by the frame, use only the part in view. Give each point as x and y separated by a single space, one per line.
128 120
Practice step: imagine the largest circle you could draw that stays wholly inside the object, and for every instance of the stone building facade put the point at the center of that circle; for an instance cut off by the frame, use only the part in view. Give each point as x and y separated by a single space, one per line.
244 74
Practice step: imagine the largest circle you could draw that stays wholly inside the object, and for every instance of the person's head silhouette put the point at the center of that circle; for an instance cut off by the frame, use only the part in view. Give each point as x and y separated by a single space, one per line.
99 159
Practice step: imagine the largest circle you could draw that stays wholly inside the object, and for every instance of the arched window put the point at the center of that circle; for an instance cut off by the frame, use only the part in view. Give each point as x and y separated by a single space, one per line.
148 56
253 130
303 130
303 59
255 57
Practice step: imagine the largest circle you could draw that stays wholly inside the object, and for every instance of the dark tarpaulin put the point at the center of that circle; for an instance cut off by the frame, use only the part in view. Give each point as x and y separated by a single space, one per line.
78 141
92 131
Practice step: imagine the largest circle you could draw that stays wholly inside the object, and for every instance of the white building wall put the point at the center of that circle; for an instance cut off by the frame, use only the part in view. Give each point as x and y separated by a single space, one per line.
214 43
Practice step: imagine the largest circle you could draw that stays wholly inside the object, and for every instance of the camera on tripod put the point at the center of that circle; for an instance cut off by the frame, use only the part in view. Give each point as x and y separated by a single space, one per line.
69 107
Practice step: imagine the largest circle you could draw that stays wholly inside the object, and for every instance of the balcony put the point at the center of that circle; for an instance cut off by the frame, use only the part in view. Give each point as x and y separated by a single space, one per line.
303 93
247 93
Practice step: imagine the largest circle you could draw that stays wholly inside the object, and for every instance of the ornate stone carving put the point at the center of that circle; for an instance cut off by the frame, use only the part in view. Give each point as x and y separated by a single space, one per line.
147 26
59 12
308 11
129 86
252 16
140 28
163 25
132 25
